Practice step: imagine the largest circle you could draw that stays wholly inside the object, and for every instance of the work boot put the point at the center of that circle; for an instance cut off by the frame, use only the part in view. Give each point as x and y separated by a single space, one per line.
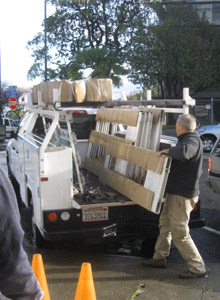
155 263
191 275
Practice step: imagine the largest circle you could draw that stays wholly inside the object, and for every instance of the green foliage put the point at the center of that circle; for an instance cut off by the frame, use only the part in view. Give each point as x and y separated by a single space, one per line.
178 49
15 114
166 47
85 34
139 290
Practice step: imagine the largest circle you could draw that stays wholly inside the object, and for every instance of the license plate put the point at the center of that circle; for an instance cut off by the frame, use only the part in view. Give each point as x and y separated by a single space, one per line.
95 214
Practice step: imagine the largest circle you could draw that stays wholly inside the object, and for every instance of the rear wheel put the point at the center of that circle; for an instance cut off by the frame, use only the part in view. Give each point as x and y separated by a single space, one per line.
16 187
208 142
38 239
148 245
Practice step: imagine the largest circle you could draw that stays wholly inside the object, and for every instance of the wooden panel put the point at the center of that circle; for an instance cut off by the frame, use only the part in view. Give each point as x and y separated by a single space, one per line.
123 185
119 116
104 139
136 155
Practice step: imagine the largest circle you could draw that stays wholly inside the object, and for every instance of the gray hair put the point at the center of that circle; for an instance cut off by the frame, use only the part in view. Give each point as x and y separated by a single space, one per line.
188 121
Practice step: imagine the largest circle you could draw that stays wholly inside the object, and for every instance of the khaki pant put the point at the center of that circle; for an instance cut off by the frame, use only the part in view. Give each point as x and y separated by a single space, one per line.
173 224
3 297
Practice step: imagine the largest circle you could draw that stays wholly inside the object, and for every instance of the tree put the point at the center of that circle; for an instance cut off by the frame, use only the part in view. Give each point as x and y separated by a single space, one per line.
4 86
86 34
179 49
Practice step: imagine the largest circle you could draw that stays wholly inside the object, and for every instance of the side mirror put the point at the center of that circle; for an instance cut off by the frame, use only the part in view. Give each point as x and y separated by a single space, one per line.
2 133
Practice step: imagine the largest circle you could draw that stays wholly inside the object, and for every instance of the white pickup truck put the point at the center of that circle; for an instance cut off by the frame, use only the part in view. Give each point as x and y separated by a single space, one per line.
89 173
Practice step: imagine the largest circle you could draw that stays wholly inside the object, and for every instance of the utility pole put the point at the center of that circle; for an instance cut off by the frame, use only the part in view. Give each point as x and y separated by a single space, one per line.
45 40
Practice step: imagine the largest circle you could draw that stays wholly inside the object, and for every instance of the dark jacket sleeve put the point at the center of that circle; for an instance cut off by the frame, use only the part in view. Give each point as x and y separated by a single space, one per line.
17 280
186 150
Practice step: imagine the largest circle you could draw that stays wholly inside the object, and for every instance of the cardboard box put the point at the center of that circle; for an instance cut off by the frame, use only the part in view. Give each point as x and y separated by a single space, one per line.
65 91
79 90
46 90
106 89
34 95
99 90
93 93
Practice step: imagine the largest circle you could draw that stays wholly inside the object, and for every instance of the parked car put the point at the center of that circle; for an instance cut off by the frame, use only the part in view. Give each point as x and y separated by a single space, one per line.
11 126
209 134
2 133
213 179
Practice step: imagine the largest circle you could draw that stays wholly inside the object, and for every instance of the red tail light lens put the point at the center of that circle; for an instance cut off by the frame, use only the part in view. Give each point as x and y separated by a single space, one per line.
52 217
44 179
77 112
209 165
195 206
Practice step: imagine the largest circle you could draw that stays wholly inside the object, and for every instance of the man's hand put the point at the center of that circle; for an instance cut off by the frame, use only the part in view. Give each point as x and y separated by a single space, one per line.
164 151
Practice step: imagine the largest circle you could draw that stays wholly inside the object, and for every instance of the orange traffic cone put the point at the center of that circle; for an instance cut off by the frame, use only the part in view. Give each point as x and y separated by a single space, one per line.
85 288
38 268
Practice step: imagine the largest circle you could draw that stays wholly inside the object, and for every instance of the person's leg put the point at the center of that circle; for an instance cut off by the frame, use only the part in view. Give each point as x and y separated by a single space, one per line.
179 209
162 247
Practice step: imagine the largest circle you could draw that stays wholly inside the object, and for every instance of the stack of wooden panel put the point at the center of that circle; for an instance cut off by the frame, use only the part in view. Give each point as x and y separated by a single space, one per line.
130 165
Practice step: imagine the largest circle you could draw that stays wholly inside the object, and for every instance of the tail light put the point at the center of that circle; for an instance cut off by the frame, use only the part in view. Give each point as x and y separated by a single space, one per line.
44 179
77 112
52 217
195 207
209 165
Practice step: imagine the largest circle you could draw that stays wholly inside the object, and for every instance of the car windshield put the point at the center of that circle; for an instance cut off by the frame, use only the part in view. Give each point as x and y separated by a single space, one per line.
16 122
81 125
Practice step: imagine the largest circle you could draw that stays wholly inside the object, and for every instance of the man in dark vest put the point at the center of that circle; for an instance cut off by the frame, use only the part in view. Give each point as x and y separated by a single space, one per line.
182 194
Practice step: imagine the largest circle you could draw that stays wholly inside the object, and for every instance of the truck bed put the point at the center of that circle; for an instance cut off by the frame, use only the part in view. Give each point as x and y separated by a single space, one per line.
95 192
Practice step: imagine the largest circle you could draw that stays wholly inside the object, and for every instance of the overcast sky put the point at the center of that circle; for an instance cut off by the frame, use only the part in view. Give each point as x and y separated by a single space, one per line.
20 21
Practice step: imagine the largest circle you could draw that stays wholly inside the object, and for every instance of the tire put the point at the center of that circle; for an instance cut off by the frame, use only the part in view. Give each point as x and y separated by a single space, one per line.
208 142
38 239
16 187
147 249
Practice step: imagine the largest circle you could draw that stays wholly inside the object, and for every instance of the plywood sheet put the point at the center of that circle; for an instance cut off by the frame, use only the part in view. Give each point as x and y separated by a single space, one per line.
123 185
136 155
104 139
119 116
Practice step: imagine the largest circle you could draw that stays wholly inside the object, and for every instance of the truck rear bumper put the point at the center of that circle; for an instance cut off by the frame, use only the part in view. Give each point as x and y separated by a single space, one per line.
81 234
112 230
